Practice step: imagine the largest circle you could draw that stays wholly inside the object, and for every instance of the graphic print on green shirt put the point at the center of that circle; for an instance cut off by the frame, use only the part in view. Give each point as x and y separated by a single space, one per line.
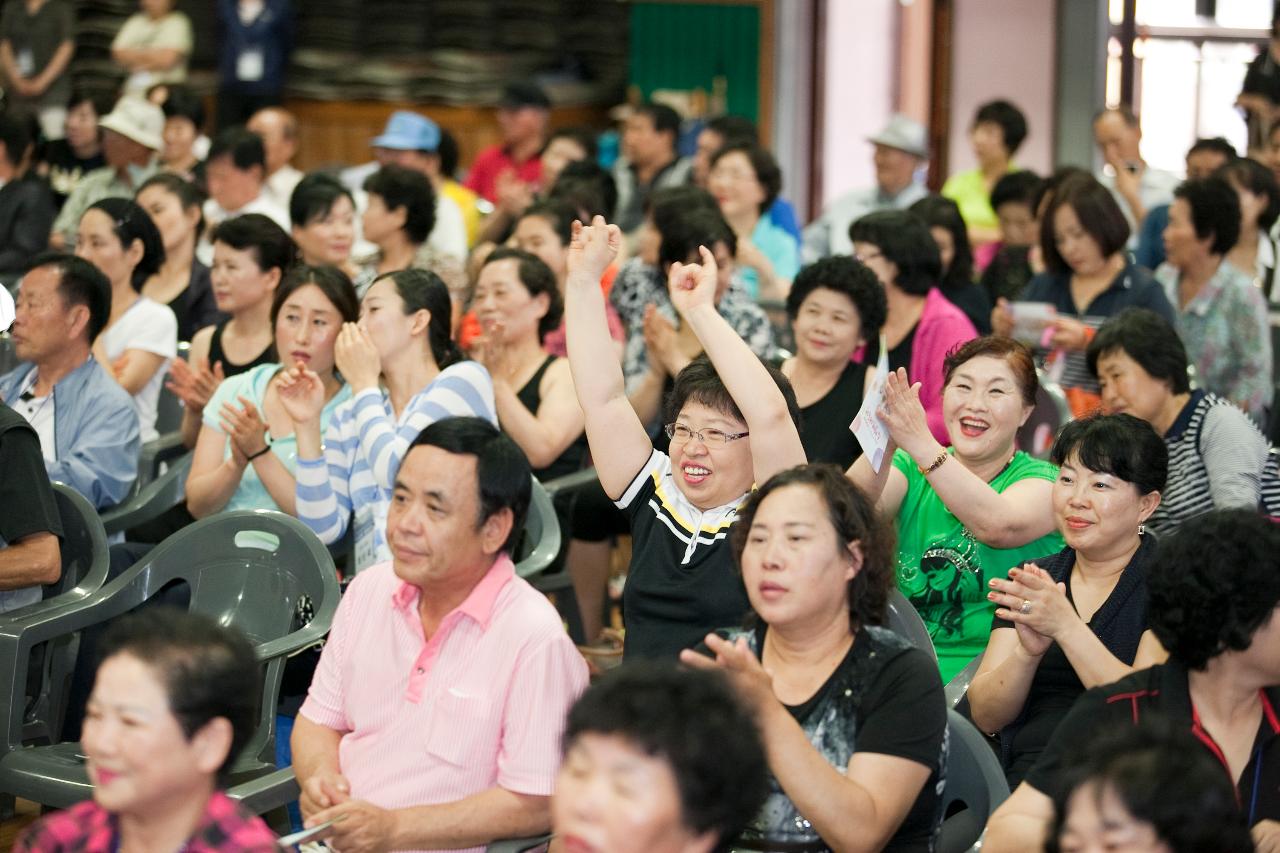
943 570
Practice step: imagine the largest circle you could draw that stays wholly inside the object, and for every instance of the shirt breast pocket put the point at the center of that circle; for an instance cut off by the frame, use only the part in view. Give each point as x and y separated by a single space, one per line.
464 730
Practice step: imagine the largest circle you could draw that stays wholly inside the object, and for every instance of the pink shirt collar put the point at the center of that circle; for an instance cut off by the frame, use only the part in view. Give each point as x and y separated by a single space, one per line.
478 605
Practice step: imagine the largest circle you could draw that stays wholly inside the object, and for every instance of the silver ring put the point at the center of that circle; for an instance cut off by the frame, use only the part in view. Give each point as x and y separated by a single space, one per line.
1026 606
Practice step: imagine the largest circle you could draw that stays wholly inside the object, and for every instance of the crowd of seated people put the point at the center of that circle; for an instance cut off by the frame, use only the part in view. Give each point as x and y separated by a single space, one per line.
394 353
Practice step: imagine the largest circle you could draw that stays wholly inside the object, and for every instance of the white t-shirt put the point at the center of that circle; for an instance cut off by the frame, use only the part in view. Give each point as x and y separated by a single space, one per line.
39 413
150 327
449 234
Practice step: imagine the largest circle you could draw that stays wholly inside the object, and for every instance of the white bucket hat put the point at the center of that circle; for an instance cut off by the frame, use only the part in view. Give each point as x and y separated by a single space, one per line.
137 119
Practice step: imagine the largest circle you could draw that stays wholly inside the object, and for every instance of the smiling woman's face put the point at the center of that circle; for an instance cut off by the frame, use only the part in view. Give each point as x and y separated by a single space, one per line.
140 762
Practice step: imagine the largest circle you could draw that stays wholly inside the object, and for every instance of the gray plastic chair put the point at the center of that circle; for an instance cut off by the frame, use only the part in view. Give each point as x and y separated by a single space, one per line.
1051 413
517 845
902 618
958 686
541 541
152 500
975 779
247 569
84 570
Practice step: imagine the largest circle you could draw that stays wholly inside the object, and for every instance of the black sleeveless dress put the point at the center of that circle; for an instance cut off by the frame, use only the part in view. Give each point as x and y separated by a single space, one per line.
824 425
569 461
230 368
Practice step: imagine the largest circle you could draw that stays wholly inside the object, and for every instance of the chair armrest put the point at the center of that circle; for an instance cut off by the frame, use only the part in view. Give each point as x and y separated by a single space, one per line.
959 683
156 452
156 498
267 792
517 845
570 481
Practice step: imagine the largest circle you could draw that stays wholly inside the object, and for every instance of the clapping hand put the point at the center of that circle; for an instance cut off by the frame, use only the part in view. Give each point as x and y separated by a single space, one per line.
904 416
592 248
244 426
301 393
750 679
356 357
194 385
1036 605
693 286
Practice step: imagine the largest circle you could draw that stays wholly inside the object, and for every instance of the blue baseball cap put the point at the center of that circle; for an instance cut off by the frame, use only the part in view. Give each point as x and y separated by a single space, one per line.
406 131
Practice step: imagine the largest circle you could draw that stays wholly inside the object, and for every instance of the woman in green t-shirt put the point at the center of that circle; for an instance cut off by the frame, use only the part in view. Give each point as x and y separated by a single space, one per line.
970 512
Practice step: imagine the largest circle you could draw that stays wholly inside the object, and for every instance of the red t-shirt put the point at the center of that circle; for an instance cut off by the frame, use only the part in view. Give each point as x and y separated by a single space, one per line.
493 161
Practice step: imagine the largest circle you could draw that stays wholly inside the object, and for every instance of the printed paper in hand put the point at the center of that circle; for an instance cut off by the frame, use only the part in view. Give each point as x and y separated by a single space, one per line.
870 431
1030 320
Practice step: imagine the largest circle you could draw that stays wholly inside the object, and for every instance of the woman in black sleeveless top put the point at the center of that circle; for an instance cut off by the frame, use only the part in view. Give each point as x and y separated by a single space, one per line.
835 306
250 256
182 282
517 302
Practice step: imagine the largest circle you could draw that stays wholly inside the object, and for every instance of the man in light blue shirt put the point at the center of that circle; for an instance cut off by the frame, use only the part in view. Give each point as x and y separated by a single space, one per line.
86 422
900 150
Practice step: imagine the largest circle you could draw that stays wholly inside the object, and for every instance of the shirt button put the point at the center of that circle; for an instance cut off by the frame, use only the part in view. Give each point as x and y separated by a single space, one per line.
420 670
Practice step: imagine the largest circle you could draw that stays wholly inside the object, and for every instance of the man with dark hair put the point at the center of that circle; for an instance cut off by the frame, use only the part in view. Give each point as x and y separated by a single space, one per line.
1207 155
1137 187
523 113
901 148
236 171
435 714
1214 594
26 203
132 135
649 161
29 523
87 423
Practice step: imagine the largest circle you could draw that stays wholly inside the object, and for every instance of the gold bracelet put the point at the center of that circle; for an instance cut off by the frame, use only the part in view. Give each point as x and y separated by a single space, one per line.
937 463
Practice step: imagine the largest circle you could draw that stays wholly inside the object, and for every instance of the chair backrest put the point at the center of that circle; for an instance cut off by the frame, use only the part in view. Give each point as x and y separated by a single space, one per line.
541 540
248 569
903 620
150 501
85 562
974 779
1051 413
169 405
84 548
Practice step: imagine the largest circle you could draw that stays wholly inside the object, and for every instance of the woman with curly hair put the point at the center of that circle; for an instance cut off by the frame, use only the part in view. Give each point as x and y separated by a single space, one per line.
835 304
1149 788
852 715
1213 592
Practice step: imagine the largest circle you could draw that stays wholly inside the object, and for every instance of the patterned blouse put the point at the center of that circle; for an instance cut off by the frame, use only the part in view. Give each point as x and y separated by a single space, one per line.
639 284
1224 328
225 827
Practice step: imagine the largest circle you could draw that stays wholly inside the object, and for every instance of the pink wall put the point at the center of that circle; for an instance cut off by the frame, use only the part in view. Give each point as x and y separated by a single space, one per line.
859 89
1003 49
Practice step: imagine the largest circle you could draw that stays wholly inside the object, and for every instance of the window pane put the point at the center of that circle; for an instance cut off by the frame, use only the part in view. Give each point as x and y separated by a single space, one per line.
1167 74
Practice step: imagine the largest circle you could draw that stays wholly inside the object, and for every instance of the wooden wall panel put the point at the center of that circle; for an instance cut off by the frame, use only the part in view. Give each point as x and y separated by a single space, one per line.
338 132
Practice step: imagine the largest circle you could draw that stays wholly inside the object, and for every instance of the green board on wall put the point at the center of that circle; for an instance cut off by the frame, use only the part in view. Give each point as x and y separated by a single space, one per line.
687 45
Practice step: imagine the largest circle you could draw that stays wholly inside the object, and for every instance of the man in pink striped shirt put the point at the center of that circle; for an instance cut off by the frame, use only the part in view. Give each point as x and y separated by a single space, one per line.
435 714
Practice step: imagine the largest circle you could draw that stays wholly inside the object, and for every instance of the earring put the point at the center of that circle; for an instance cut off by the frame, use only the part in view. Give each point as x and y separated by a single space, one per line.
1142 529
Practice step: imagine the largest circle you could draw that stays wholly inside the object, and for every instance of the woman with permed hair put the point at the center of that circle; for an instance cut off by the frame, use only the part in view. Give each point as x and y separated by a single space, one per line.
852 715
834 305
1148 787
1213 595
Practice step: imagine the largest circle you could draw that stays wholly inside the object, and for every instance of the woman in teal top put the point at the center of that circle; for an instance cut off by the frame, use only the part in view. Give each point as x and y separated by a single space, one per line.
246 452
969 512
745 179
998 130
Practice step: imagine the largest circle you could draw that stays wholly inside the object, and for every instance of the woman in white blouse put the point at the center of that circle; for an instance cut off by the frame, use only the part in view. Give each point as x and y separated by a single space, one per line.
119 238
